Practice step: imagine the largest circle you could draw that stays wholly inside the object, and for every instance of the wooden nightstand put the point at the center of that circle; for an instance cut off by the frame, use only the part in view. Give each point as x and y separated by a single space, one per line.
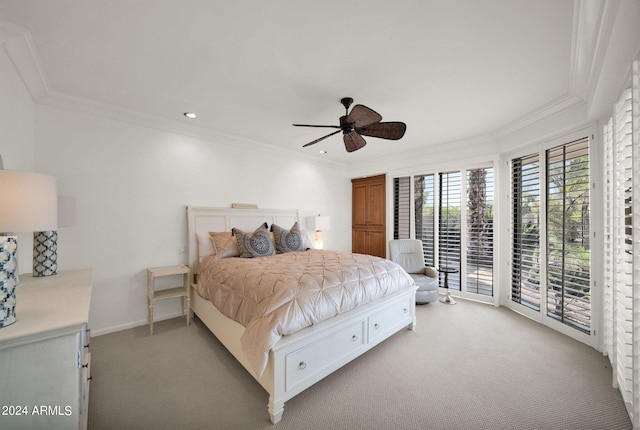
154 295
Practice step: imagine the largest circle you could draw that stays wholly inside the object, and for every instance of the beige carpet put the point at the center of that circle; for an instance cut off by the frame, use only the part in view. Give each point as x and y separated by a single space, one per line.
467 366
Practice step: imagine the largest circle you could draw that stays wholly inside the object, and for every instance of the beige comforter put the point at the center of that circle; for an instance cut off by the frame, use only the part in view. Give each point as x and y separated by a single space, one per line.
278 295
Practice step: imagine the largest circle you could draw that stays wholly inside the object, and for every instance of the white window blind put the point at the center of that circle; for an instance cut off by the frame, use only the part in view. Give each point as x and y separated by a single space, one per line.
608 255
635 232
620 246
621 311
525 239
623 244
480 231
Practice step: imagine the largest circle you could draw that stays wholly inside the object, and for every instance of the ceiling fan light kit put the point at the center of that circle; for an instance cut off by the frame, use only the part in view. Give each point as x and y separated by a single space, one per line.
360 121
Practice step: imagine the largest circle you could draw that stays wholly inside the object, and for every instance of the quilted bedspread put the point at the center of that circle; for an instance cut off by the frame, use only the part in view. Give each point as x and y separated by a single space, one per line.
278 295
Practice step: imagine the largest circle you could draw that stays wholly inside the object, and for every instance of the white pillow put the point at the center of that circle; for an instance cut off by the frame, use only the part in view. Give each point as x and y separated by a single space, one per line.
205 246
306 239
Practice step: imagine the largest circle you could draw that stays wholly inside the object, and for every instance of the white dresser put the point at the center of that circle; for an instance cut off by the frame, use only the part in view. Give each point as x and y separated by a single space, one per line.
44 356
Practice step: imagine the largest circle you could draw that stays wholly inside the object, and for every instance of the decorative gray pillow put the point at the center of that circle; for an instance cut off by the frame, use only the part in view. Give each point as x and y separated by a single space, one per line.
287 240
256 244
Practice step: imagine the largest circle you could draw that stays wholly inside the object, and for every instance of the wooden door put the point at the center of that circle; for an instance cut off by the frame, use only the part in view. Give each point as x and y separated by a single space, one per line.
369 216
377 204
359 197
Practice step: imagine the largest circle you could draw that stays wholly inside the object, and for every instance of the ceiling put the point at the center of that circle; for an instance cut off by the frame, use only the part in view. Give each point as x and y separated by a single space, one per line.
450 69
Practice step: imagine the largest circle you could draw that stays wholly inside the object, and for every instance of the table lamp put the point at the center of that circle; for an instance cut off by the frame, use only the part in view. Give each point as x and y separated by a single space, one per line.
318 224
28 202
45 243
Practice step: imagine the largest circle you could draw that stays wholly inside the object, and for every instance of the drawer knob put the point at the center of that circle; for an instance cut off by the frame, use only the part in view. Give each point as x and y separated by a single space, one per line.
354 338
302 365
376 326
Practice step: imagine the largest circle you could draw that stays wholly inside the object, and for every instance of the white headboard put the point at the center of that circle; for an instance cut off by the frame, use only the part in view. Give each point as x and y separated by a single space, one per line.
202 219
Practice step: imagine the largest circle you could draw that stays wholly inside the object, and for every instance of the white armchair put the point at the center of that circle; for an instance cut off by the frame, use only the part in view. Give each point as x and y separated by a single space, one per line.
409 255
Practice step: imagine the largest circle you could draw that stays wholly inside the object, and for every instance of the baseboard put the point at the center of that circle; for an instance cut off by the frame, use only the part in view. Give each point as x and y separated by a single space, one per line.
133 324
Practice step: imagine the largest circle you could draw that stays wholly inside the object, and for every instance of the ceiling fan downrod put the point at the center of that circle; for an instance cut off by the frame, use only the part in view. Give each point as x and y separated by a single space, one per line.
344 125
346 102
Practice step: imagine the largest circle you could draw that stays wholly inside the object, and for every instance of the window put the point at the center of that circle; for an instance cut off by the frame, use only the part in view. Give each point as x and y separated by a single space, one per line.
425 215
480 231
401 208
561 284
449 227
525 240
568 235
453 216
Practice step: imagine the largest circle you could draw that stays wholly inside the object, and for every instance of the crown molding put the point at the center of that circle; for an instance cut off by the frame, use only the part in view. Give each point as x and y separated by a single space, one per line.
592 27
552 108
411 160
9 31
18 45
593 23
106 111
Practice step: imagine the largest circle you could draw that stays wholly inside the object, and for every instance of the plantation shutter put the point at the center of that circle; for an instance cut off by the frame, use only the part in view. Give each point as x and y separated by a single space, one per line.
402 208
568 235
635 237
609 234
480 231
621 311
525 239
623 245
449 226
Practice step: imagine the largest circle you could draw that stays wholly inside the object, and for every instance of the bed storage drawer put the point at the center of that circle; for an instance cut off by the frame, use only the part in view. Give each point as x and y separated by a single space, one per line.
389 320
313 360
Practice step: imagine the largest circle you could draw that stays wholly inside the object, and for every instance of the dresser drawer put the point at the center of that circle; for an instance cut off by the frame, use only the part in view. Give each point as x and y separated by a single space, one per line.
390 319
310 361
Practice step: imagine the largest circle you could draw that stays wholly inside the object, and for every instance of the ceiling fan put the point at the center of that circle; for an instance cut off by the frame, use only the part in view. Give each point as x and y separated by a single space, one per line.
360 121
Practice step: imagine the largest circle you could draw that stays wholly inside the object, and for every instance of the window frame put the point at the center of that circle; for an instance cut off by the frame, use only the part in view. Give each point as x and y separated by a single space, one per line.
463 166
540 147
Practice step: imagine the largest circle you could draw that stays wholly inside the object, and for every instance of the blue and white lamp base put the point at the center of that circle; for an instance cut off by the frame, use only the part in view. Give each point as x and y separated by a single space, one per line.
8 279
45 253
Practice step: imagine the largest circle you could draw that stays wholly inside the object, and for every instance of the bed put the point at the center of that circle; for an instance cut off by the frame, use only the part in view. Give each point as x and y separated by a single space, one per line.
296 360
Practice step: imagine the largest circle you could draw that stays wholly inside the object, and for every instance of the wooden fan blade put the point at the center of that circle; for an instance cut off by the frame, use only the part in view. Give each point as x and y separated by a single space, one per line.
384 130
361 115
322 138
311 125
353 141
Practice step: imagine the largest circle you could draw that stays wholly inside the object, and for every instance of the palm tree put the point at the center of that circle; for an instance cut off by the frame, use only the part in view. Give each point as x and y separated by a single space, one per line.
479 225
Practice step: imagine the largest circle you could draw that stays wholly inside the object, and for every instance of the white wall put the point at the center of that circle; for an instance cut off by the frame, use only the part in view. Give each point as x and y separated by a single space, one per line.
132 182
17 113
17 118
132 185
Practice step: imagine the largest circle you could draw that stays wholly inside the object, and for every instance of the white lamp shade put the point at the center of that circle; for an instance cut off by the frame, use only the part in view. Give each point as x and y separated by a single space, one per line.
319 223
28 202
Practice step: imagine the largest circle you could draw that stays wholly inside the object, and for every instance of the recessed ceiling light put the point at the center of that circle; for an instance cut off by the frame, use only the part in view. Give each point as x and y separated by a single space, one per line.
190 115
323 152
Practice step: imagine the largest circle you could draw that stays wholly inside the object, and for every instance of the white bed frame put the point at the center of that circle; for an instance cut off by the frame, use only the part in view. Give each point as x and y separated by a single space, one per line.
300 360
